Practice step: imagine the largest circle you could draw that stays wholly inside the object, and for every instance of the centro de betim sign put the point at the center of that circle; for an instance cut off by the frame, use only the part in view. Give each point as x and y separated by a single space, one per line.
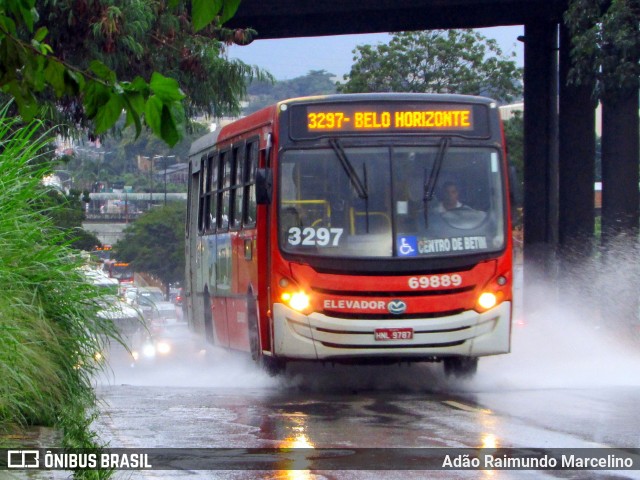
308 121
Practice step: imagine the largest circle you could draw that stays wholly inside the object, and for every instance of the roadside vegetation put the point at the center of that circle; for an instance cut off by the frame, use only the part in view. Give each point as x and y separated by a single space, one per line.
50 334
154 243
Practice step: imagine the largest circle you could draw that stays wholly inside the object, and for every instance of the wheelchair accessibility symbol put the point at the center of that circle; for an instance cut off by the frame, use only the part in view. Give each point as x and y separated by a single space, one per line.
407 246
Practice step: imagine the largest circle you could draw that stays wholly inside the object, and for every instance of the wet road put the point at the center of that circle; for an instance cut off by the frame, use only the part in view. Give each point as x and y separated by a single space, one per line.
580 392
565 385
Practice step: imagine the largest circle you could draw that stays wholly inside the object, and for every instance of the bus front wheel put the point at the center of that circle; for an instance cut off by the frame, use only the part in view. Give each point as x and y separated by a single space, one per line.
273 366
461 367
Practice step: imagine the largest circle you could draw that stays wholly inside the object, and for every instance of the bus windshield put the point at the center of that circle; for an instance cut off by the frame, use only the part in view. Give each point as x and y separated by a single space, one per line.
391 201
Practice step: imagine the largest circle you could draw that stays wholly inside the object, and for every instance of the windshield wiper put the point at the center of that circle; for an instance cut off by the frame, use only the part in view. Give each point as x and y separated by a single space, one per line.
430 182
360 187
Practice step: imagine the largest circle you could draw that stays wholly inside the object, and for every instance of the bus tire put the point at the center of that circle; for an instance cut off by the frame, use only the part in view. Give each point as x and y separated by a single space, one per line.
273 366
460 367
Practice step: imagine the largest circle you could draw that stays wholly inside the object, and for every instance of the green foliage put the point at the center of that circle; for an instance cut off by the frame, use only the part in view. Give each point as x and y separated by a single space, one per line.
605 37
91 61
154 243
119 162
67 214
49 330
263 93
436 61
514 136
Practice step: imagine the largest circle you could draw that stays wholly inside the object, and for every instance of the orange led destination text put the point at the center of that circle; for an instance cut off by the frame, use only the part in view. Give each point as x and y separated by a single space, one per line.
385 120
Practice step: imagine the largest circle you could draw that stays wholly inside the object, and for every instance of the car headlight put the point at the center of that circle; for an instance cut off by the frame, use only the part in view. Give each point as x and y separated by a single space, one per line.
149 350
163 348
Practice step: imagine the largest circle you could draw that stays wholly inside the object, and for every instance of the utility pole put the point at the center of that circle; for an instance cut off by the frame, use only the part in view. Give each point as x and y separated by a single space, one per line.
164 164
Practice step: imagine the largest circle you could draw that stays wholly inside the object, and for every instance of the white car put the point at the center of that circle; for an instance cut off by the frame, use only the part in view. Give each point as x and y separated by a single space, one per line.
125 318
156 311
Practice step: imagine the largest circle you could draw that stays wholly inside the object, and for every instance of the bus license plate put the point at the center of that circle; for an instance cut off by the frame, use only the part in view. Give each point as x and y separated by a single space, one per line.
393 334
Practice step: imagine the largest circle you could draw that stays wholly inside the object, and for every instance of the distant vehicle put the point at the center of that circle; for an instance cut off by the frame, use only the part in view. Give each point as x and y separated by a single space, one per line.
103 253
155 310
124 317
121 271
153 293
157 340
130 294
170 343
176 295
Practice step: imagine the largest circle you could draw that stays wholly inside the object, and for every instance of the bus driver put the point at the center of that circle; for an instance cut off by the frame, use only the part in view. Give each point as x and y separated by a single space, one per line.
450 198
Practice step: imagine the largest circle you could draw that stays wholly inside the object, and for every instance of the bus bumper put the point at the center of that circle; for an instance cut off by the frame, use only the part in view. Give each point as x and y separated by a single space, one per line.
319 337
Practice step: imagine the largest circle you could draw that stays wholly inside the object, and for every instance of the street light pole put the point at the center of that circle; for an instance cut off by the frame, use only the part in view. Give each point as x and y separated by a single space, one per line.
164 164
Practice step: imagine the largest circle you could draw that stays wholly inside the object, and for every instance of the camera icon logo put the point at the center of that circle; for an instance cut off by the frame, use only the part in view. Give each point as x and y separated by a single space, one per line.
23 459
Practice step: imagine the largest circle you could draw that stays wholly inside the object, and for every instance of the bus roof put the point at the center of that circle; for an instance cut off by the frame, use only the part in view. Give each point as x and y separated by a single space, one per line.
386 96
203 143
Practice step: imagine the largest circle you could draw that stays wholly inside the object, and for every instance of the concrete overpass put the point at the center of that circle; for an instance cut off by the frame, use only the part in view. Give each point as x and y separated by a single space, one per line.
307 18
108 225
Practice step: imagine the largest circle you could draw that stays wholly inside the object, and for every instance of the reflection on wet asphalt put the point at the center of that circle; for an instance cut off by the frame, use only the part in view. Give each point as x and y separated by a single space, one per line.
211 398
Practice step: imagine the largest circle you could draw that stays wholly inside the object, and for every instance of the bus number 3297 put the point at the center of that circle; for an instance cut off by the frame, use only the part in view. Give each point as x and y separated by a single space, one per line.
322 237
435 281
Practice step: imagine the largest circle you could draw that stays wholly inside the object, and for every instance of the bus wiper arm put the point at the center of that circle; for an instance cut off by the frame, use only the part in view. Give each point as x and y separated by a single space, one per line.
361 189
430 183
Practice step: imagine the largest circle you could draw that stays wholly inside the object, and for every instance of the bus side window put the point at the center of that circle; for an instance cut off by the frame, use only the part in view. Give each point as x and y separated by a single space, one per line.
237 185
202 203
251 155
224 196
212 187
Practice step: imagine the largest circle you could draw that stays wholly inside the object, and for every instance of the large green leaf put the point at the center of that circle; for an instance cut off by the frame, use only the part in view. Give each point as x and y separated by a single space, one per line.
27 105
153 114
229 9
95 96
172 123
102 71
167 89
54 74
203 12
109 113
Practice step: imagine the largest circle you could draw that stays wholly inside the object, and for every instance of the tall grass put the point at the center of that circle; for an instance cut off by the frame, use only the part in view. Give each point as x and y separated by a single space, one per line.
49 330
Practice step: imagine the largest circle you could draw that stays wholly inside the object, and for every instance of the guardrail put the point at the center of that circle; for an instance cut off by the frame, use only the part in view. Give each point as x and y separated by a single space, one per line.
111 217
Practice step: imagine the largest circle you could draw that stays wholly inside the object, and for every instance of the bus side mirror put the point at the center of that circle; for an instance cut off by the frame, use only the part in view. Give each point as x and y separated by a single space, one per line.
264 186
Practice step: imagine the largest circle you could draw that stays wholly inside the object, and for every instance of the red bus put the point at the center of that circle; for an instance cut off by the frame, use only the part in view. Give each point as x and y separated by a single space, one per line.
353 228
102 253
121 271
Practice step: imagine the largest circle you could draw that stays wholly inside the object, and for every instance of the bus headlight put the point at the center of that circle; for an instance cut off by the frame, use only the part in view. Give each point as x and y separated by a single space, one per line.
487 300
298 301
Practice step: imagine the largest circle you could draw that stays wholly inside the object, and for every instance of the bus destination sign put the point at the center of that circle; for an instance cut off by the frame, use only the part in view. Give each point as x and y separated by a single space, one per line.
386 120
400 117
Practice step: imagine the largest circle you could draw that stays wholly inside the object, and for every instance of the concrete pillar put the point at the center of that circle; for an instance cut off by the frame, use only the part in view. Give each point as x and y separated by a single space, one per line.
540 156
620 197
576 164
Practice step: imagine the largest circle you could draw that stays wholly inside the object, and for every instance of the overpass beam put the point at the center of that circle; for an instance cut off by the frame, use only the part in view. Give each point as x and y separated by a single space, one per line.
540 156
